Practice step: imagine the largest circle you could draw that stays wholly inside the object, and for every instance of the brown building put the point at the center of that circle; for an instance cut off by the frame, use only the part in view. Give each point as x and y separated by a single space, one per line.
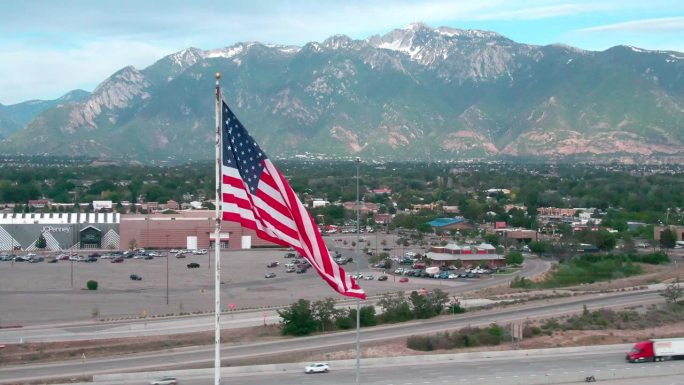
678 230
193 229
523 235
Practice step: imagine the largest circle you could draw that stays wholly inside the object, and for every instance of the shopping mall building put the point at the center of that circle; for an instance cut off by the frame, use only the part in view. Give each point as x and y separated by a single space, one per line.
191 229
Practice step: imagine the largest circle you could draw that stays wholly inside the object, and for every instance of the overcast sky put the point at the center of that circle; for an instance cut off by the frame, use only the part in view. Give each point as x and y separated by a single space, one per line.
48 48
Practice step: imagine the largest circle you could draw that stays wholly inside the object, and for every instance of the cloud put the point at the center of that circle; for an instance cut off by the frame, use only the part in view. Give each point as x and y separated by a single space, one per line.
50 73
544 12
651 26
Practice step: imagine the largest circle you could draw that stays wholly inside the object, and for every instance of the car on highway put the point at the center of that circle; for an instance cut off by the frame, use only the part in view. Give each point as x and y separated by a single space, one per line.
193 265
317 367
166 380
270 275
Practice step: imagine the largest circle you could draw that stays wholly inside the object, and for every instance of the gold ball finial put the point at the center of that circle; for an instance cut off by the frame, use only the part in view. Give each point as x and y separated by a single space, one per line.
218 75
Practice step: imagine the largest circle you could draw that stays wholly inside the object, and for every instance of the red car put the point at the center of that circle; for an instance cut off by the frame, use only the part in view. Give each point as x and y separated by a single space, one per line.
118 260
403 279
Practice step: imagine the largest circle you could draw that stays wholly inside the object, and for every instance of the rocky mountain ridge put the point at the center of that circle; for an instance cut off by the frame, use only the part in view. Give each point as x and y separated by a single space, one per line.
416 93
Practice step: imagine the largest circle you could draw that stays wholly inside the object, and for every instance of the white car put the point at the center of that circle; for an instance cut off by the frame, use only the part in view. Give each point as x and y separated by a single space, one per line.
166 380
318 367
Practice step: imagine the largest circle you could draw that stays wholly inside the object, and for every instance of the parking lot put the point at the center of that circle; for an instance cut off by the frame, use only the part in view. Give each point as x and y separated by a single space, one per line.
39 293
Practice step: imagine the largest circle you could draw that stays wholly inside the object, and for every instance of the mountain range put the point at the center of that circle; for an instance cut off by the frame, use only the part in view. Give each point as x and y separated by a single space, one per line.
417 93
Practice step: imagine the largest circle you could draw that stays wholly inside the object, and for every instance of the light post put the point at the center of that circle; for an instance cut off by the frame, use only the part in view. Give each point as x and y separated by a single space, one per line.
167 269
358 272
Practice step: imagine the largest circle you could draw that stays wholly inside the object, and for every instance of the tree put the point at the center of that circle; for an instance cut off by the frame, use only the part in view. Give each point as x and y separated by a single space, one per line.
668 239
395 308
324 313
366 316
538 247
428 305
41 243
298 319
492 238
673 292
514 258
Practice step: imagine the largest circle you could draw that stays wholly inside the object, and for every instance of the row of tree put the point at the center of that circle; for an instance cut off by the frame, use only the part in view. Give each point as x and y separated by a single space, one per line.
304 317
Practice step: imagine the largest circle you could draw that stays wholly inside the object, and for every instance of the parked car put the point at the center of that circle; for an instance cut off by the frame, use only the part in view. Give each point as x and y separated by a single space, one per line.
403 279
382 278
290 269
273 264
135 277
36 259
193 265
270 275
368 277
53 260
180 255
317 367
301 270
166 380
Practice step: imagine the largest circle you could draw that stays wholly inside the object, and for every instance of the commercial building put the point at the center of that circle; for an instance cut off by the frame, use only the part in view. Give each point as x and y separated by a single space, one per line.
482 254
61 231
191 229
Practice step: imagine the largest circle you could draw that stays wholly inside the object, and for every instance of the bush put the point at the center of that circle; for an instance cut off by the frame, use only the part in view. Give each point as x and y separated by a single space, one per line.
421 343
91 285
345 322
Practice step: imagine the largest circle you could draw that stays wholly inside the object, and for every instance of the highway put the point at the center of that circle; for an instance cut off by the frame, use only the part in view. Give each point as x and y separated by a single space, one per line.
203 356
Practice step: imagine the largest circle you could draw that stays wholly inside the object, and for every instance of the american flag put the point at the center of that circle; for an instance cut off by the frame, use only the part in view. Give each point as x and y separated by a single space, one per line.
257 196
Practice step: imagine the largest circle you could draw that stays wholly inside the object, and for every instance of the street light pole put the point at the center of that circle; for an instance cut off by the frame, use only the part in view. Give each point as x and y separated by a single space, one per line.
167 269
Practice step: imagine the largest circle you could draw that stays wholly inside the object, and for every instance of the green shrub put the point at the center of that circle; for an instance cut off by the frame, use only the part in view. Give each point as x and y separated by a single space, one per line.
91 285
344 322
420 343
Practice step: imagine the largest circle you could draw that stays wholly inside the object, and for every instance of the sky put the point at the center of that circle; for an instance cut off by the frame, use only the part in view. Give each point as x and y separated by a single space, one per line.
48 48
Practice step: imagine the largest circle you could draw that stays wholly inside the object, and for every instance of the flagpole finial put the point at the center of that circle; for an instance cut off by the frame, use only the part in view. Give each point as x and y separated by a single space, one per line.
218 75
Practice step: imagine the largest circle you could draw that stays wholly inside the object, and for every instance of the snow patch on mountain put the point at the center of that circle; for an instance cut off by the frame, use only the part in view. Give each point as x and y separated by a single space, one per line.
227 52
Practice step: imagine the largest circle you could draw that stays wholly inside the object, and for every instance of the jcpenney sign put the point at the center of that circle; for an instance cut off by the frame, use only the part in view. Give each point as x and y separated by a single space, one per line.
54 229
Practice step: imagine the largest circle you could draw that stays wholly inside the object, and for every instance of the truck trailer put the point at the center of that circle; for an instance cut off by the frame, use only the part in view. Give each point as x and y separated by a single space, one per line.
657 350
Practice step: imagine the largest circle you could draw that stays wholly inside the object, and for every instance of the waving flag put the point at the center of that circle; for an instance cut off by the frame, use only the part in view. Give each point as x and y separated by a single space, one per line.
256 195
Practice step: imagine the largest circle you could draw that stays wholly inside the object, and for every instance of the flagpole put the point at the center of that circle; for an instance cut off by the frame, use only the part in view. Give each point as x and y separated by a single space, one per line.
217 242
358 271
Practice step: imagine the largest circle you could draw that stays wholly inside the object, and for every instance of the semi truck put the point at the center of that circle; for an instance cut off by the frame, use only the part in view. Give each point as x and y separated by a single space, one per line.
657 350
